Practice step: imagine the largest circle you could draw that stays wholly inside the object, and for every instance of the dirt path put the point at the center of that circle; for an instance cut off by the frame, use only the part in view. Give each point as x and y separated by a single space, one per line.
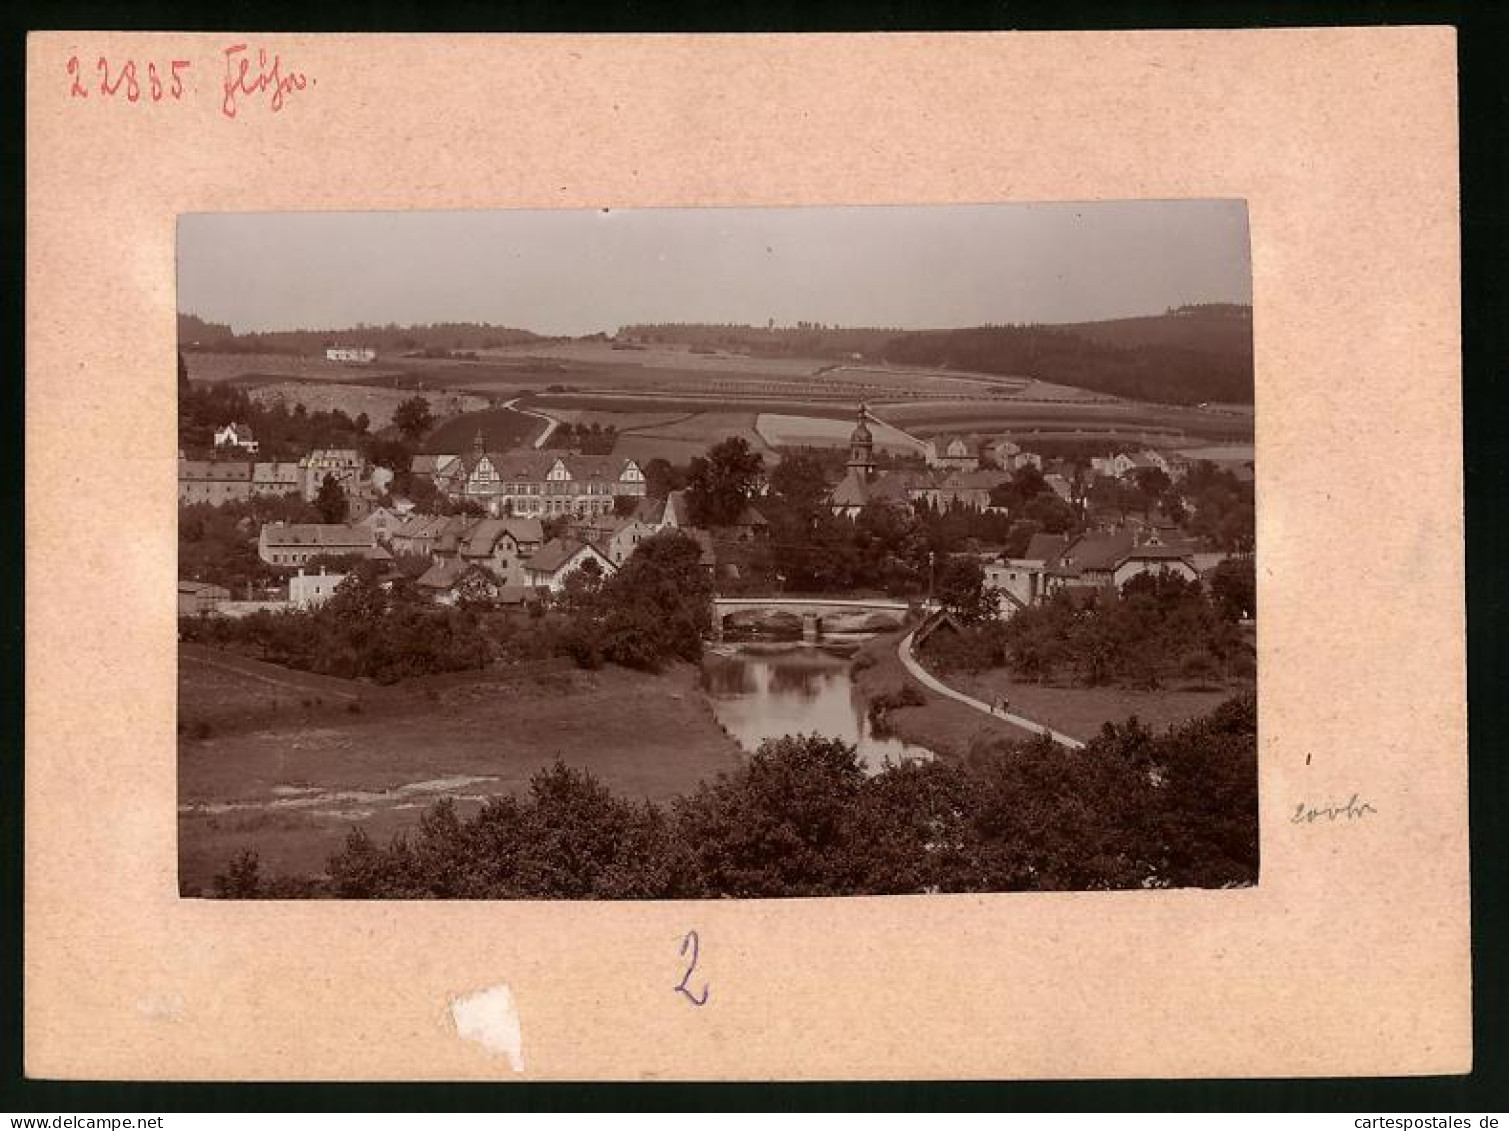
550 421
915 669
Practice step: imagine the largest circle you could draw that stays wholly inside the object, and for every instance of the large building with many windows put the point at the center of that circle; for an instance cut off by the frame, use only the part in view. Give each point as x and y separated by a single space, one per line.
541 483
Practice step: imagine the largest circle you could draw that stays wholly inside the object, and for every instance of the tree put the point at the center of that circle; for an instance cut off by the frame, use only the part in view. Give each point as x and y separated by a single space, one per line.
331 501
413 418
183 375
1233 588
799 482
662 477
960 589
658 605
721 483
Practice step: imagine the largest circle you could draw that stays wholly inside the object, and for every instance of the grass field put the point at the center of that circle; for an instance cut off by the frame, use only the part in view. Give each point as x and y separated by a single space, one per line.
784 430
203 366
289 784
1081 711
502 429
951 728
378 403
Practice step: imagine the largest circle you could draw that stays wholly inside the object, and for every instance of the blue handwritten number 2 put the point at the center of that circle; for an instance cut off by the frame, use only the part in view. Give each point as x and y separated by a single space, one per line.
690 940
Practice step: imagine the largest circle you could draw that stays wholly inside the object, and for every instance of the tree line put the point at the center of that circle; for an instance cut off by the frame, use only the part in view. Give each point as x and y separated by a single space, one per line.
1157 627
803 817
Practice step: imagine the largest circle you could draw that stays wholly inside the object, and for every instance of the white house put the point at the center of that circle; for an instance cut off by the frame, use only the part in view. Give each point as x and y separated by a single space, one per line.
557 559
311 590
237 436
358 355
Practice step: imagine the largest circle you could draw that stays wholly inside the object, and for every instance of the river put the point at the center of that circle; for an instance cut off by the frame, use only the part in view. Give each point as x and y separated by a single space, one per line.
761 691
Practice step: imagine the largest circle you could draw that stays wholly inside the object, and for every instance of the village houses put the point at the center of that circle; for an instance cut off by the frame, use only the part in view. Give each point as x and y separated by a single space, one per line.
1098 559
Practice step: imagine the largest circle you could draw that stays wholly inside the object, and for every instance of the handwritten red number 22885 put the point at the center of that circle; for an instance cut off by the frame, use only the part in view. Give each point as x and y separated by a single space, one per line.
126 78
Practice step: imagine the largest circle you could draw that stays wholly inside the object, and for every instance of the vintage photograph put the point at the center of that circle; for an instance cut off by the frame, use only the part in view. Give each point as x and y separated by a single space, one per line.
716 553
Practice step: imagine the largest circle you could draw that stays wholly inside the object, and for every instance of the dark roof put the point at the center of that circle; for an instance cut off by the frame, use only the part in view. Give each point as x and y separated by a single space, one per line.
852 492
446 573
479 539
1097 552
316 534
1045 547
650 510
940 618
750 517
213 470
556 553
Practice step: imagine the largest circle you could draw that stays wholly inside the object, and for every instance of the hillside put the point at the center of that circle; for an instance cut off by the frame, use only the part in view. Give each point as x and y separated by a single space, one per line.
1212 328
1187 355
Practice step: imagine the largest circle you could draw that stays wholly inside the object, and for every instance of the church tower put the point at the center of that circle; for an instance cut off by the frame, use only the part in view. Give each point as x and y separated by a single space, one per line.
862 448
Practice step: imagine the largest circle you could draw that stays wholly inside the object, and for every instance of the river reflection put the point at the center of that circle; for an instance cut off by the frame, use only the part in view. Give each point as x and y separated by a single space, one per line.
766 691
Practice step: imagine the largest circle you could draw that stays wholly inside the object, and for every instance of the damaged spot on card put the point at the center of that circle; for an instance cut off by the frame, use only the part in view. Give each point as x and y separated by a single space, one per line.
491 1019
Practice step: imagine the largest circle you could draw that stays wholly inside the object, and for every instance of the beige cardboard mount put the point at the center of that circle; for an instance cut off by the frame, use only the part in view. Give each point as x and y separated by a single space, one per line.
1352 954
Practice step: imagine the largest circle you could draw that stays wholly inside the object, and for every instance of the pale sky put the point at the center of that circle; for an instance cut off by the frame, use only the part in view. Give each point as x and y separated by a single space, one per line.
580 272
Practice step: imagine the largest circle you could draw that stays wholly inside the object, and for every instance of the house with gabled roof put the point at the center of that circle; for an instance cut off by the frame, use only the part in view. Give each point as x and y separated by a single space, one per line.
1098 559
450 581
293 544
238 436
557 559
674 511
957 453
540 483
503 546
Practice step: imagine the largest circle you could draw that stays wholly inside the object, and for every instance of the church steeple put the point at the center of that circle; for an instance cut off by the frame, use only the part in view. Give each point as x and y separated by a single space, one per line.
862 447
478 446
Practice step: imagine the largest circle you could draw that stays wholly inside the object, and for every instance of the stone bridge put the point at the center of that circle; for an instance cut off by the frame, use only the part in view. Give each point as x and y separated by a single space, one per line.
813 611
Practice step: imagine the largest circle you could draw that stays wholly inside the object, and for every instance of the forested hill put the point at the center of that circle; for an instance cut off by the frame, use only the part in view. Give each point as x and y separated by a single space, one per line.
1184 356
196 333
1212 328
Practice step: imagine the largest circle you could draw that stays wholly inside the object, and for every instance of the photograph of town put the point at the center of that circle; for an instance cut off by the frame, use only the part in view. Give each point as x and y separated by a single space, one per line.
716 553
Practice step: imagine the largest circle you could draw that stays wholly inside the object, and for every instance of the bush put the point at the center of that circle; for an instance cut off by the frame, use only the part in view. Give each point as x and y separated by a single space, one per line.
801 817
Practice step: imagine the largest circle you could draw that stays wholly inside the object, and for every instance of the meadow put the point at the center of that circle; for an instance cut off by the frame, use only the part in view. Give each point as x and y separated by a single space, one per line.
501 428
288 770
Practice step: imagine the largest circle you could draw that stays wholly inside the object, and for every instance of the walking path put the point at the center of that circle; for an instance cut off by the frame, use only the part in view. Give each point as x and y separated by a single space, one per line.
550 421
909 661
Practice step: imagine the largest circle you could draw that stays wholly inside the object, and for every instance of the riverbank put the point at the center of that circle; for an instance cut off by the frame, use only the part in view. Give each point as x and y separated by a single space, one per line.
290 781
942 725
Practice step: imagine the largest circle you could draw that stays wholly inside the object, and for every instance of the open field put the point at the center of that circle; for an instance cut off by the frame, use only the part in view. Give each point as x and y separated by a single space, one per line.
1223 453
653 357
290 783
205 366
502 429
1081 711
951 728
379 404
623 421
785 430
